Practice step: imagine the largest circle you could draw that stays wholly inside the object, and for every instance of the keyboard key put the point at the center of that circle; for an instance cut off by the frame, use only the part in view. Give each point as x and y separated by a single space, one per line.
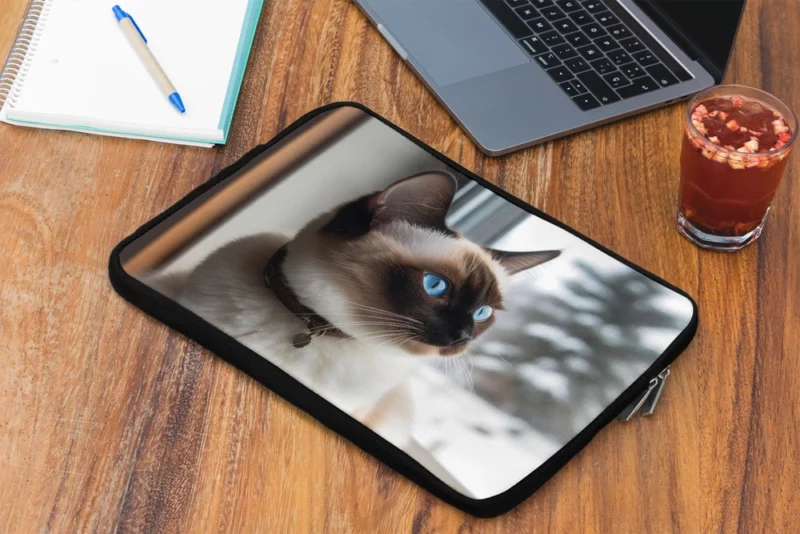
607 19
577 39
594 7
564 51
516 3
600 88
662 75
508 18
568 5
619 57
606 44
553 14
619 31
568 88
632 70
590 52
534 45
542 3
551 38
638 87
548 60
602 66
645 58
616 79
527 12
576 65
586 102
565 26
581 17
593 30
560 73
540 25
632 45
578 85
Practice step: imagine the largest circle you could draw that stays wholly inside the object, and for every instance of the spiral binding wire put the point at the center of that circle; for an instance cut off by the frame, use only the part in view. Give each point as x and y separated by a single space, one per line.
17 64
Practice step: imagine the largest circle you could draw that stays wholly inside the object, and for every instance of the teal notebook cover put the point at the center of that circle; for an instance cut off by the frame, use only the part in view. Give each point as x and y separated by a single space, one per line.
237 72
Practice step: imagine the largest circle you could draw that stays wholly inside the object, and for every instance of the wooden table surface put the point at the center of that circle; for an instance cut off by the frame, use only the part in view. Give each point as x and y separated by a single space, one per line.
108 420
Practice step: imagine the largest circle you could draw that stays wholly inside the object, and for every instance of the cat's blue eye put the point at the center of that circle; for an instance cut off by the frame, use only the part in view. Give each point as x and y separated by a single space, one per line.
482 313
435 285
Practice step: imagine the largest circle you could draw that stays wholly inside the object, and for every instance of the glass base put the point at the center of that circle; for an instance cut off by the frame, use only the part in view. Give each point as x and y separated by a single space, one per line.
715 242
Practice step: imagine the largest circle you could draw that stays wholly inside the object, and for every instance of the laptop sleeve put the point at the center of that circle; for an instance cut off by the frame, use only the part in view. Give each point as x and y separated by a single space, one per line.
464 338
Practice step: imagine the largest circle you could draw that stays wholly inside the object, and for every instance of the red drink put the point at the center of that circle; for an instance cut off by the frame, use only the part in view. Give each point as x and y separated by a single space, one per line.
735 150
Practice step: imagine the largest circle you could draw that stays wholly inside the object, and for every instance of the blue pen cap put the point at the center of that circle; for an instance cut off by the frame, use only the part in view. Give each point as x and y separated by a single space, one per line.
119 14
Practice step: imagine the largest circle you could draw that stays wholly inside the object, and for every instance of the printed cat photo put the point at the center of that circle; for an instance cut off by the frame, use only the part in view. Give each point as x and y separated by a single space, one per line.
352 303
474 335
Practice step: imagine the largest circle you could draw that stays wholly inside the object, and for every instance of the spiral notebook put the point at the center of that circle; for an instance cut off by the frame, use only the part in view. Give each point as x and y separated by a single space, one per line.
71 68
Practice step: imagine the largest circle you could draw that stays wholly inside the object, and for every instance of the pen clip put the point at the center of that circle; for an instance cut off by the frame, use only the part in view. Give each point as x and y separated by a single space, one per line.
120 14
138 29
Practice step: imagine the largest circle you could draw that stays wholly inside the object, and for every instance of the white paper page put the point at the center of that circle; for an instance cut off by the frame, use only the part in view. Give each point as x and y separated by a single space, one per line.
109 134
85 68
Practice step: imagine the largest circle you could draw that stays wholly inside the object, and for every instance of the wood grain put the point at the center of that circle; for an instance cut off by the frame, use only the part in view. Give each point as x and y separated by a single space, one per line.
109 421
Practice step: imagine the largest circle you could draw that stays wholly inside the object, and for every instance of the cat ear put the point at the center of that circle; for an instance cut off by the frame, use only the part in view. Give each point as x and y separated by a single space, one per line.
515 262
422 200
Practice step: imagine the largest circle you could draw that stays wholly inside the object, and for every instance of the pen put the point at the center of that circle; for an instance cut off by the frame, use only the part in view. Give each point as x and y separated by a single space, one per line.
139 43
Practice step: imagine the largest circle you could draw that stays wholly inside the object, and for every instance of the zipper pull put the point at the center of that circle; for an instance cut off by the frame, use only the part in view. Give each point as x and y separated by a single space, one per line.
648 399
633 407
652 399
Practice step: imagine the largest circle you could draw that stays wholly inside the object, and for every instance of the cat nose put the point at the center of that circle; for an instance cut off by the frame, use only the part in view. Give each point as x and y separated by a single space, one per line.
460 337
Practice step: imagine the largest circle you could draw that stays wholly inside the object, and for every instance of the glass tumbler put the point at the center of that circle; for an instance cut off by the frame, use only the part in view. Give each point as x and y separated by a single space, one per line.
725 194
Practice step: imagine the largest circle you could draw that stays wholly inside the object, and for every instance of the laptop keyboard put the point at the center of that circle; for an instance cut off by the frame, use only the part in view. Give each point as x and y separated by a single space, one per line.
593 49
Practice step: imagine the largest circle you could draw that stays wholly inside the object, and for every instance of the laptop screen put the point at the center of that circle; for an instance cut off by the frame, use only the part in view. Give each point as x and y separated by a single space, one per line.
706 27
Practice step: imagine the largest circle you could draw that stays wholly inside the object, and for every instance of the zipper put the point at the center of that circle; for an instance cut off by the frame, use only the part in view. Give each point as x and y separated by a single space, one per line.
648 399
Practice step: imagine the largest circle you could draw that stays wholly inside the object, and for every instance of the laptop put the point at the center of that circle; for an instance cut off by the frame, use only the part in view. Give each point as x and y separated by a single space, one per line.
515 73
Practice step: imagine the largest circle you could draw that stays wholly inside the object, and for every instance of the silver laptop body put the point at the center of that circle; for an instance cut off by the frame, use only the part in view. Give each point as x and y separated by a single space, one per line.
501 68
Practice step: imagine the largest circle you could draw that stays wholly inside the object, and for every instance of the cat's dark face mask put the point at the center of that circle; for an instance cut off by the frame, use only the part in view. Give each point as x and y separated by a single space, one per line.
452 301
436 289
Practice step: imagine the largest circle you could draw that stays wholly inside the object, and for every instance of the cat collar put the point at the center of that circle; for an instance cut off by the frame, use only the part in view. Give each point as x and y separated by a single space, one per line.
315 323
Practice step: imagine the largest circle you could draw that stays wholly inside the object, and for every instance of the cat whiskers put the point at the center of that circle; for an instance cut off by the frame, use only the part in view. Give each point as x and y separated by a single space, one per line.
363 323
461 360
392 340
499 357
447 364
410 338
331 315
376 336
391 324
373 336
399 319
458 369
385 312
363 308
389 318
